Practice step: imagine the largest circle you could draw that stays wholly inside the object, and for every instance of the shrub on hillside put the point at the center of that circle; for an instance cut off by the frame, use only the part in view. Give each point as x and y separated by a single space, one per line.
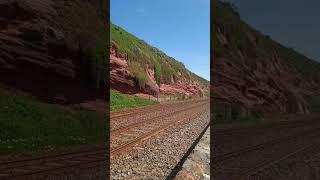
139 73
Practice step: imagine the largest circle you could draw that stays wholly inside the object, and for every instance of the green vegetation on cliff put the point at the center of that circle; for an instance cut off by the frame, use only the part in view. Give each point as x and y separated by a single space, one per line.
140 54
314 102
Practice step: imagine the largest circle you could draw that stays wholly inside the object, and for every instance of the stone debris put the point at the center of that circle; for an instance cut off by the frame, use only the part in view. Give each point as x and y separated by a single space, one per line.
197 165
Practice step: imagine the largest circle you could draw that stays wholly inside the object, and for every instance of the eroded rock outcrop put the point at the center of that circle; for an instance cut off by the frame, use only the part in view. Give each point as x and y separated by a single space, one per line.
242 75
124 81
36 54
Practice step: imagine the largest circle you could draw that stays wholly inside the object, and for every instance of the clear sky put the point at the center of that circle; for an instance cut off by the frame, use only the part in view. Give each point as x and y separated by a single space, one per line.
294 23
179 28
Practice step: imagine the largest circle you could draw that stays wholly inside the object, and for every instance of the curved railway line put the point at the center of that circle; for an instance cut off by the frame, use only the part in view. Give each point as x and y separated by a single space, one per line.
55 164
126 137
263 127
245 161
156 142
313 148
227 156
127 113
45 165
151 115
153 119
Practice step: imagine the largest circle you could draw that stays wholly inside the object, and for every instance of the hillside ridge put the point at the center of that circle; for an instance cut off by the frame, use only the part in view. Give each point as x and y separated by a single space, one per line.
139 68
256 72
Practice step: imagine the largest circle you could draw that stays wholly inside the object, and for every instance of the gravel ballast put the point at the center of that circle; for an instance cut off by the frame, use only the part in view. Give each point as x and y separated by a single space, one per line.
197 165
156 157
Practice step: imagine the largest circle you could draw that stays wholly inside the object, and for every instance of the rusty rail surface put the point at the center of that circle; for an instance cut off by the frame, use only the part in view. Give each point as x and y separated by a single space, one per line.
45 165
156 118
159 124
261 146
147 109
314 148
58 164
258 156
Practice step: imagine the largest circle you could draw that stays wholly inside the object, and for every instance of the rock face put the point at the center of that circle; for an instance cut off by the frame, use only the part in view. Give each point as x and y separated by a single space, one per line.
189 89
138 68
267 84
35 54
122 80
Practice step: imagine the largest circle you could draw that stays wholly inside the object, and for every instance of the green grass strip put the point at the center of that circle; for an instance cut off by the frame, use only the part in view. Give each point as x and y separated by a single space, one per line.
123 101
28 126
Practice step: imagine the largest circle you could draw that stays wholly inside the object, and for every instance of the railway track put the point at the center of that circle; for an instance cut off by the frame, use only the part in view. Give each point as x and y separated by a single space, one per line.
263 127
153 148
46 165
148 109
137 118
154 118
246 175
229 155
237 140
125 138
243 162
58 164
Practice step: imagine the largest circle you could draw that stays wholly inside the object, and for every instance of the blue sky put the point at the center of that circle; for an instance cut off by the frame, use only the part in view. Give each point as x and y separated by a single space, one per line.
294 23
179 28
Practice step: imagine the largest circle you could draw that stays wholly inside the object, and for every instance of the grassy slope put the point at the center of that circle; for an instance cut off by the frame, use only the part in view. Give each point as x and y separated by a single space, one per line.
28 126
139 54
123 101
230 23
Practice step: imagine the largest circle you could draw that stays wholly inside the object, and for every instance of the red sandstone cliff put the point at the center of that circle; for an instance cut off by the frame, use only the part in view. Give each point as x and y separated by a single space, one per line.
121 79
37 54
270 83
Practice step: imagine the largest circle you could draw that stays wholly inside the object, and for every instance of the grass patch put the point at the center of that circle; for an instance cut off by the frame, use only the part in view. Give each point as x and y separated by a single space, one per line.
249 119
28 126
123 101
314 102
229 113
139 74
